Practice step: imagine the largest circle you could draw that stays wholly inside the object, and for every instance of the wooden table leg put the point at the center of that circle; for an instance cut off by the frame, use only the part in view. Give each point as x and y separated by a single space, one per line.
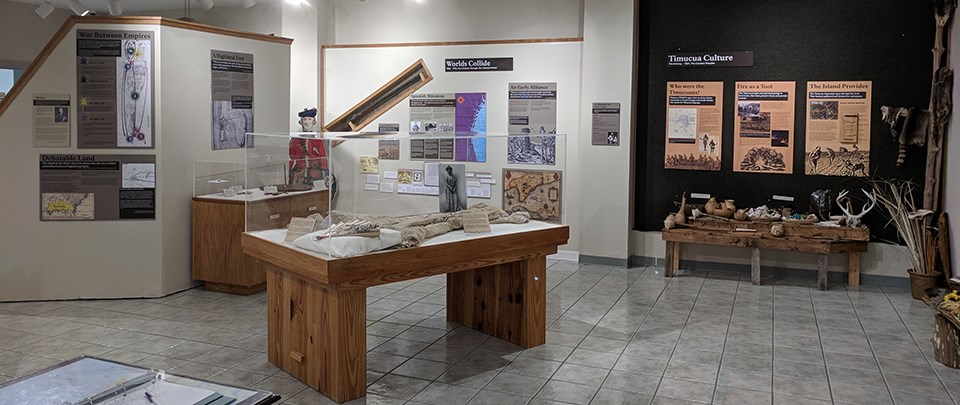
822 271
506 300
755 266
317 335
668 260
853 269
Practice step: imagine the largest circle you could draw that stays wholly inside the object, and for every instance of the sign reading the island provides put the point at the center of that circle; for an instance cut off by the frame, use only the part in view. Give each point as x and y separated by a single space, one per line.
710 59
478 64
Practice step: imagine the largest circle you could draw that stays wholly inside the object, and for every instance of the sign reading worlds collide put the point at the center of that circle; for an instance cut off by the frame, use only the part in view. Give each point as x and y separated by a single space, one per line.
478 64
710 59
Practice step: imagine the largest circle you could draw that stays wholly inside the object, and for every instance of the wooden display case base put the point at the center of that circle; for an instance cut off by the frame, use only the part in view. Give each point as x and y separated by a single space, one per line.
316 310
234 289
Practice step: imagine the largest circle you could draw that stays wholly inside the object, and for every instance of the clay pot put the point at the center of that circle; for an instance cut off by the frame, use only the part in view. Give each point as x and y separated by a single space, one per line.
776 230
680 218
711 206
669 223
728 204
740 215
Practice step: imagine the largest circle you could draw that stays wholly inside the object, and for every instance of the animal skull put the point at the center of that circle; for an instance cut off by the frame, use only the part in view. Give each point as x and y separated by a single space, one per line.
844 202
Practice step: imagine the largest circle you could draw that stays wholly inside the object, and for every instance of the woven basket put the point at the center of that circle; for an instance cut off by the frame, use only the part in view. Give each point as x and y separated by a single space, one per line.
919 283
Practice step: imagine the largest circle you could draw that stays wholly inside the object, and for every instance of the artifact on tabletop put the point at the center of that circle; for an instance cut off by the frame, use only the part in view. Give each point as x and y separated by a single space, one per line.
845 203
821 204
776 229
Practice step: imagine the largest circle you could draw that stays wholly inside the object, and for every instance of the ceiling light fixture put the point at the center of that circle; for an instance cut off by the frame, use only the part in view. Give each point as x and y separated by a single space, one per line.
114 7
297 2
249 3
205 4
78 8
44 9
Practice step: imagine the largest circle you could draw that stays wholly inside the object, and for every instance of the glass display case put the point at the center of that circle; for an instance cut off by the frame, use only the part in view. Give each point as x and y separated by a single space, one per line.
399 190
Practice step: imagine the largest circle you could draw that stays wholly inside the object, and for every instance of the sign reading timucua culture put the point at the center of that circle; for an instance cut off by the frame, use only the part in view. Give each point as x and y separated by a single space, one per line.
710 59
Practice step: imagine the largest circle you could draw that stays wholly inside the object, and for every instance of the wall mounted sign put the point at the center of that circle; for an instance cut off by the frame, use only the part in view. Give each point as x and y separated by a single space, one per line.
710 59
231 90
97 187
763 127
51 120
114 89
606 124
838 128
694 126
478 64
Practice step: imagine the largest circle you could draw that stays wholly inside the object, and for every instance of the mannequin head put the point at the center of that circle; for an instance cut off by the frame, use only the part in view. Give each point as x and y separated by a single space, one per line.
308 120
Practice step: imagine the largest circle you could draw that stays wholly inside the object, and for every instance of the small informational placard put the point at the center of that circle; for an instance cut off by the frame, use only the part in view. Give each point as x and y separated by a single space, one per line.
390 174
231 89
372 179
475 221
431 175
386 187
478 65
115 74
710 59
838 128
97 187
388 127
299 227
51 120
371 187
606 124
417 189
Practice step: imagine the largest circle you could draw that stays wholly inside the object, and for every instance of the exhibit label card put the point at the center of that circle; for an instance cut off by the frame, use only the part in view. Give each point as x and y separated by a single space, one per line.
97 187
231 90
694 126
532 111
115 89
606 124
838 128
763 131
475 221
51 120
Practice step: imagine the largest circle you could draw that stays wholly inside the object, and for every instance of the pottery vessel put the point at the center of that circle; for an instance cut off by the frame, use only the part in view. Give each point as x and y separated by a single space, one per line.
776 230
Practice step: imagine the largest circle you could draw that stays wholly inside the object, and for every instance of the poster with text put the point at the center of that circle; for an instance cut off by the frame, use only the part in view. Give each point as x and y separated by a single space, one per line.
231 91
115 89
532 111
432 114
97 187
838 128
763 128
694 126
51 120
471 123
605 124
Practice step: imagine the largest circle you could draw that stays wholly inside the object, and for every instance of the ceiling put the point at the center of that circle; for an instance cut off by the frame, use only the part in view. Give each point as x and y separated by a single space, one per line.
138 6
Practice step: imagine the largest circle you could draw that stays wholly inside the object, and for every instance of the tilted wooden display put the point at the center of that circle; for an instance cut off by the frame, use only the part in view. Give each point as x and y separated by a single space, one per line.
218 224
316 311
387 96
797 237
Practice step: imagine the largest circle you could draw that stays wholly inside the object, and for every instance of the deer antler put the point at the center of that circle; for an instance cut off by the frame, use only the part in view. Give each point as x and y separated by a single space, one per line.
853 220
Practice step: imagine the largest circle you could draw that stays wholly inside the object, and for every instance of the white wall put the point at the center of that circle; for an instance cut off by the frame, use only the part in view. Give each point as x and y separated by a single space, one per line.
263 18
130 258
382 21
608 43
300 23
23 33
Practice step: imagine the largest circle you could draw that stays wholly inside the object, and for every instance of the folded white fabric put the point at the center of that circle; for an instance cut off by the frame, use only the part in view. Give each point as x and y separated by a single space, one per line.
346 246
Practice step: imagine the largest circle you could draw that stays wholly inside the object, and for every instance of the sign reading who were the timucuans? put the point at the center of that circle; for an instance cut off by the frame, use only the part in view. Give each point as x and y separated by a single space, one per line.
710 59
478 65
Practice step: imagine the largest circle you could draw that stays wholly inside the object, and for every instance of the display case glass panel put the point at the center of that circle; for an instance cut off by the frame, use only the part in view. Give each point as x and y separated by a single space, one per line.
348 194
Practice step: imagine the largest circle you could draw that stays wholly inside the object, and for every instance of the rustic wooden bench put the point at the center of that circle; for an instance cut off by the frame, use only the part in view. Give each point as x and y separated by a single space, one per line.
823 241
316 309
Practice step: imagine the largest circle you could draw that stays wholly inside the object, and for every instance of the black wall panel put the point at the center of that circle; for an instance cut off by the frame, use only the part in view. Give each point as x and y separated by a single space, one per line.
885 41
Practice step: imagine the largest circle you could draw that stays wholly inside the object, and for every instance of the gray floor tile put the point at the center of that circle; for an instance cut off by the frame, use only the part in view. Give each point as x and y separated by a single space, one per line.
398 386
686 390
737 396
860 394
485 397
681 370
798 387
566 392
423 369
580 374
533 367
614 397
516 384
645 365
443 394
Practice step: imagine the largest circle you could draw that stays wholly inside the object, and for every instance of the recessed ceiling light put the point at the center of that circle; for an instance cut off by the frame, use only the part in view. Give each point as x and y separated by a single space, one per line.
298 2
249 3
44 9
114 7
78 8
205 4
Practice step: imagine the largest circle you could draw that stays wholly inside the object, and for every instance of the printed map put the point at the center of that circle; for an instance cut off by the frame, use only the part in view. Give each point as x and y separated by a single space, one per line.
536 192
66 206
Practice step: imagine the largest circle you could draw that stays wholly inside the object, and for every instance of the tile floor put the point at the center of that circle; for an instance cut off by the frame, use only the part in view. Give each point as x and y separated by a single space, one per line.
614 336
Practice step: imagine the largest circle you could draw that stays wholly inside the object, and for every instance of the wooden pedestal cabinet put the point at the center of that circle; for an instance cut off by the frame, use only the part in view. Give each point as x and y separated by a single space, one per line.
218 223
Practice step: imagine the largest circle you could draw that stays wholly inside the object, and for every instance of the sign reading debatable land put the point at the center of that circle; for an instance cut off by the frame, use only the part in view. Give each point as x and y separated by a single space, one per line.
710 59
478 65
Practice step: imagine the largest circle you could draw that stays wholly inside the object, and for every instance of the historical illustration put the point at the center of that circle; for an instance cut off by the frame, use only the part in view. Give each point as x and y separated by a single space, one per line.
388 149
66 206
537 150
138 175
838 125
453 187
764 127
536 192
133 93
369 165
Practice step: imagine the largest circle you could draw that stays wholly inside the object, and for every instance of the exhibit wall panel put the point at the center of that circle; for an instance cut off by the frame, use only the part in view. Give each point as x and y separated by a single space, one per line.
351 74
76 259
881 259
379 21
184 121
608 43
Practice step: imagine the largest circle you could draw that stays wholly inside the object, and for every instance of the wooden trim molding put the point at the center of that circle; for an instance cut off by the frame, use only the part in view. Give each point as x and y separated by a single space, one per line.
454 43
145 20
